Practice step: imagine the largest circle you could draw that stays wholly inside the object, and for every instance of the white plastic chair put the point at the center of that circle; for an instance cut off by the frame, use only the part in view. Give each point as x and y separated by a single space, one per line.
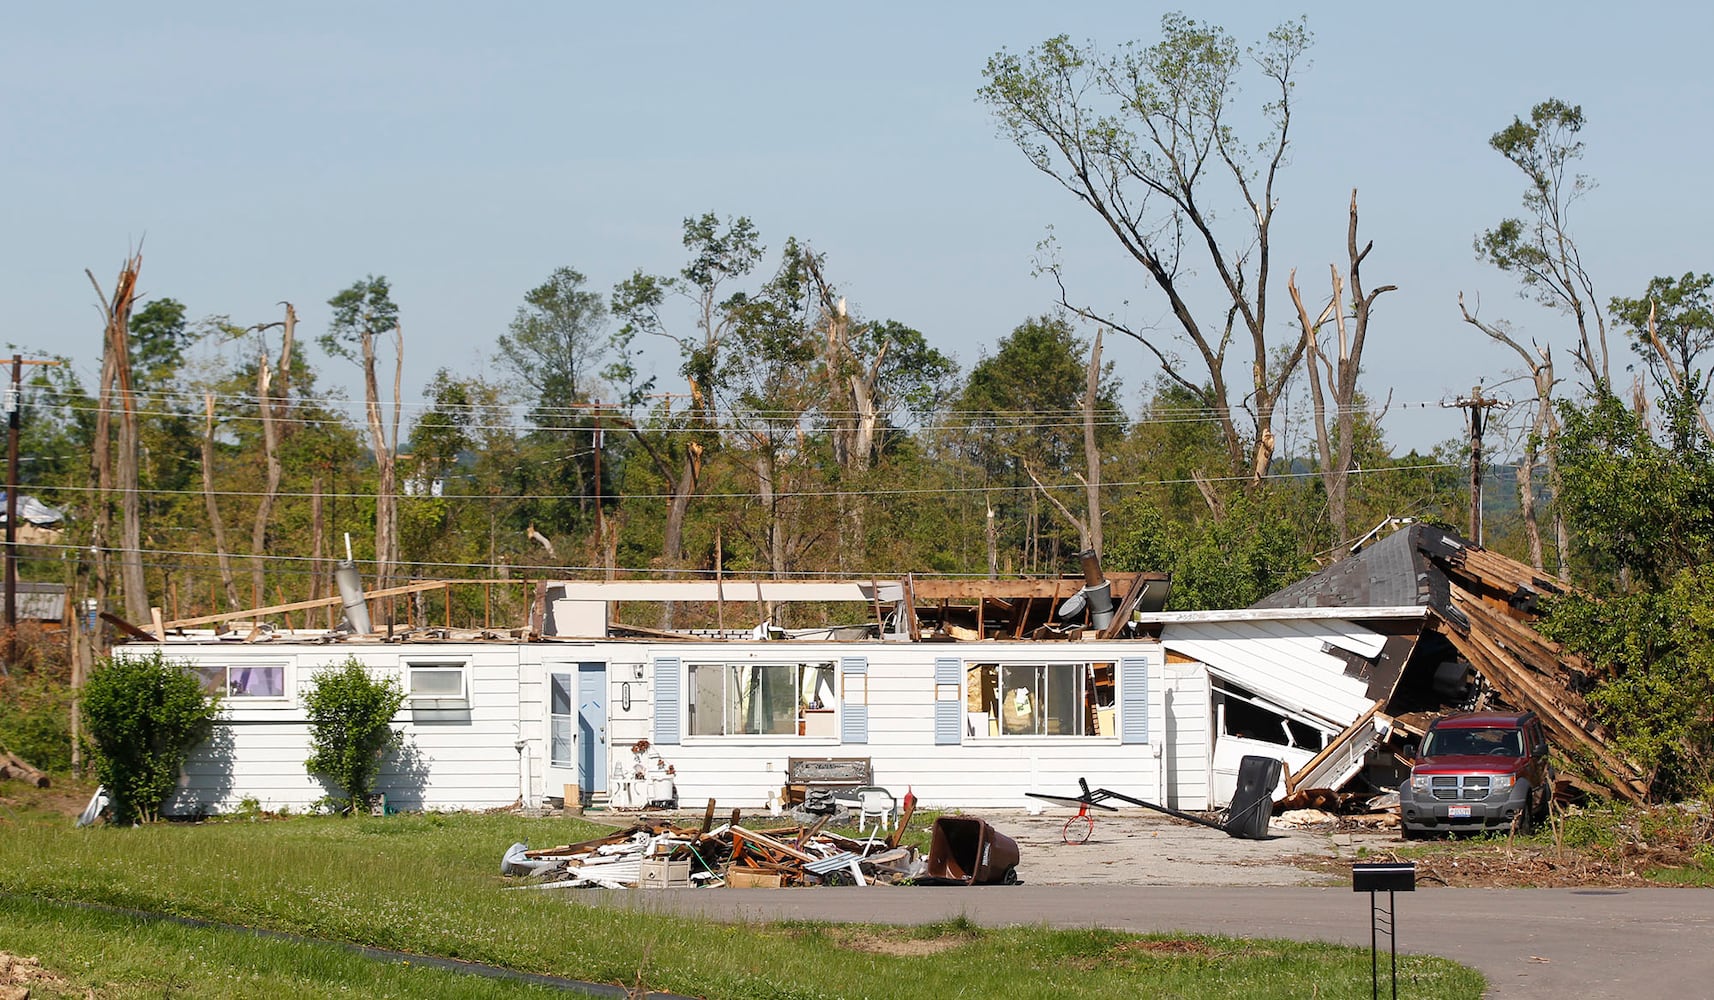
875 802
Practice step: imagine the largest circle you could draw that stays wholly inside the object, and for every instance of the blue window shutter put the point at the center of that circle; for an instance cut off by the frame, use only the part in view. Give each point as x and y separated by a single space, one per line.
948 712
948 723
667 698
1134 700
853 715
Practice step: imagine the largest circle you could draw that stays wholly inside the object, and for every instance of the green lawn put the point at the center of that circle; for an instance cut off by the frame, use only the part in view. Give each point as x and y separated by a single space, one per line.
429 884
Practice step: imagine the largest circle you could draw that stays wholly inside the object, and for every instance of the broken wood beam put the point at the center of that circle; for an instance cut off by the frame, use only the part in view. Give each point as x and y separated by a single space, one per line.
275 609
777 847
1350 732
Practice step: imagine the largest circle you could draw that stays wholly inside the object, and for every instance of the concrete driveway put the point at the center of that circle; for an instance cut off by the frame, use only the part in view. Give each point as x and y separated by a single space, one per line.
1600 944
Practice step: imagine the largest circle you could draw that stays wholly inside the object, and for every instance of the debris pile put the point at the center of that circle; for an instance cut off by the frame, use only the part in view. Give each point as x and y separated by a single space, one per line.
660 854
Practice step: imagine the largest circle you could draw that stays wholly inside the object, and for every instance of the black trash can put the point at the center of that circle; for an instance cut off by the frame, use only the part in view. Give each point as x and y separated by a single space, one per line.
964 850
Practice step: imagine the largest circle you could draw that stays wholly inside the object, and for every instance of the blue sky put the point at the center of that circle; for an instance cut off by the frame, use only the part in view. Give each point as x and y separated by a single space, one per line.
282 152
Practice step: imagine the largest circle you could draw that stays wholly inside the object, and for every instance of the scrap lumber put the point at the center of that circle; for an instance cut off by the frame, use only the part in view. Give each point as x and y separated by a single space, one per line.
906 809
726 855
1355 730
1562 711
755 837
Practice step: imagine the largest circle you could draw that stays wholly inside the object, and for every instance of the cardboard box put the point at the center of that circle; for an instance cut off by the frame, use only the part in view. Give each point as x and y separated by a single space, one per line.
659 873
739 878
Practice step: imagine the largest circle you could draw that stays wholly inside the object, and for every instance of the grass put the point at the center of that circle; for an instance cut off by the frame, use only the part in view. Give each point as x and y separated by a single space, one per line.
429 884
123 957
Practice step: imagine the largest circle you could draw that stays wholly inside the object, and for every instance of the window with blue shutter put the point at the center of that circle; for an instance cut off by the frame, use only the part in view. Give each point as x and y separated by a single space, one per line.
667 701
1134 700
854 701
948 708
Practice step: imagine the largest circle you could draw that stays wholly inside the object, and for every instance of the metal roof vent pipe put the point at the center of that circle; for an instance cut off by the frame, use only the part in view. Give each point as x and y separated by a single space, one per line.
1097 593
350 584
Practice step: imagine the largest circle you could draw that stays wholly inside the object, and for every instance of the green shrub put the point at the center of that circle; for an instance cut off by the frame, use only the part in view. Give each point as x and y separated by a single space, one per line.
142 716
349 716
35 722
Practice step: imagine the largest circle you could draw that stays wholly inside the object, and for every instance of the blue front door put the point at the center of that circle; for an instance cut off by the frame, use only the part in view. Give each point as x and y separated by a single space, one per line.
592 727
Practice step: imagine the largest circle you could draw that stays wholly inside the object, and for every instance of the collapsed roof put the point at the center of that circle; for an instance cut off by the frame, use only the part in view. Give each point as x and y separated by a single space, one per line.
1483 605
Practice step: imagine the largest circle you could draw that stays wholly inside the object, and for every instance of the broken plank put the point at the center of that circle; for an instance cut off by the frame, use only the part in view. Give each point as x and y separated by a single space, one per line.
772 844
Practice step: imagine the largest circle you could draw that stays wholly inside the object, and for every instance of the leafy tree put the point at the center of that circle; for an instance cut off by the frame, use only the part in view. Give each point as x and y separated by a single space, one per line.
1019 416
770 381
142 716
1539 248
720 254
555 343
1229 561
350 721
159 336
1643 508
1147 139
361 314
1682 314
1656 652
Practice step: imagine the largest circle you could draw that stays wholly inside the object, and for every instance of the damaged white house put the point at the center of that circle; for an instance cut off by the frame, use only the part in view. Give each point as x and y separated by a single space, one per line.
969 706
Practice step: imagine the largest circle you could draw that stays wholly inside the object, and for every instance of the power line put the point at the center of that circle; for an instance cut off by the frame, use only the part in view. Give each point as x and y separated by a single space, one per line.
736 495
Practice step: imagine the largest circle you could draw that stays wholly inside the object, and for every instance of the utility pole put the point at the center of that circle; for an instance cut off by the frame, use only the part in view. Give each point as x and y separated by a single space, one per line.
14 422
1478 405
600 526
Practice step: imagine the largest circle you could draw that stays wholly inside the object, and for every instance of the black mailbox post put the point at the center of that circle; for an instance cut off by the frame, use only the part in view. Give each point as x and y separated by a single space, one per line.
1399 877
1375 879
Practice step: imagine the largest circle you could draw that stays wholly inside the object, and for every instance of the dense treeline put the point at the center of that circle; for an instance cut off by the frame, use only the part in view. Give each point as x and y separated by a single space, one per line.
802 438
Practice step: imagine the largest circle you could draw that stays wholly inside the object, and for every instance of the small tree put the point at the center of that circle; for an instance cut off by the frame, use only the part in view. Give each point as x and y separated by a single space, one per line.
144 714
349 716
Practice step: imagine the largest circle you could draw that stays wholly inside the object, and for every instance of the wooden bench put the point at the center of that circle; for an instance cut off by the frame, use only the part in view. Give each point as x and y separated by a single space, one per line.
840 774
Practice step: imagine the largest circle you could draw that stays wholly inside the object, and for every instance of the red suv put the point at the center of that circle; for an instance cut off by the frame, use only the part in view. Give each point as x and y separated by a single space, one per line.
1478 771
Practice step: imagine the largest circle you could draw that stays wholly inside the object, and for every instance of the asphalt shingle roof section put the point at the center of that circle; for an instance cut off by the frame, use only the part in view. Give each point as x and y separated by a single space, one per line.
1393 572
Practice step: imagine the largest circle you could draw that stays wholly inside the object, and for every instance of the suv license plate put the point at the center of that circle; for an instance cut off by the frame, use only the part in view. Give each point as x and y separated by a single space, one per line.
1458 812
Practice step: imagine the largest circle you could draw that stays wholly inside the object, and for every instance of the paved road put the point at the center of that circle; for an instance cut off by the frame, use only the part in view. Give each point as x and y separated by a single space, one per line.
1530 943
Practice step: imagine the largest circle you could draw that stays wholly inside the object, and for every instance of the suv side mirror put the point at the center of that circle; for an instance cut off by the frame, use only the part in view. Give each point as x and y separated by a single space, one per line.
1412 751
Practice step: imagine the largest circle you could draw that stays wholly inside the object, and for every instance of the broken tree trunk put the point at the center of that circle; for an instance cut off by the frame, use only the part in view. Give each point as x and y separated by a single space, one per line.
116 380
270 402
12 768
217 525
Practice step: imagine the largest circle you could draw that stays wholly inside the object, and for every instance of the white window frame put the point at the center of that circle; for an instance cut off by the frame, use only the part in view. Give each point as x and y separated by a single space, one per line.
1085 670
830 667
567 719
226 695
425 700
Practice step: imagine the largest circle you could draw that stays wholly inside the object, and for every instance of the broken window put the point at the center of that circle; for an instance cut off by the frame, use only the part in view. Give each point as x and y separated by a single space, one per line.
1244 714
759 699
249 681
1040 699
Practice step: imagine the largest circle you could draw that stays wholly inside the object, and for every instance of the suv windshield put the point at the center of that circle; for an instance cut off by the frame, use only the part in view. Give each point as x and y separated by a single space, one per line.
1473 743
